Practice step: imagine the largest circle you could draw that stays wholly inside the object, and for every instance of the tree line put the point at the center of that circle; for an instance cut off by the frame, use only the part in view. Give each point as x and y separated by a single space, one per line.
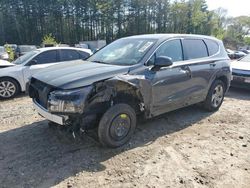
71 21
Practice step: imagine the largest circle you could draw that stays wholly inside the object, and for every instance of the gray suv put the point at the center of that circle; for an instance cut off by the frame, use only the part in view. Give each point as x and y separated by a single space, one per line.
140 75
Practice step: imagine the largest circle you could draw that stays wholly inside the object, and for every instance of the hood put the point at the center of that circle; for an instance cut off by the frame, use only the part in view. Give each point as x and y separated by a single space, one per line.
4 63
76 74
241 65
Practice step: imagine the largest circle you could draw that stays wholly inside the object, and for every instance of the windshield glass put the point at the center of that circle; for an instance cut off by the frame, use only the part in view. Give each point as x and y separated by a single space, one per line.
246 58
25 57
123 52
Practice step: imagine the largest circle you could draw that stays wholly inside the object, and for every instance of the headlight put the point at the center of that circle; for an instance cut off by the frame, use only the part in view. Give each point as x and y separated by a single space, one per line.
71 101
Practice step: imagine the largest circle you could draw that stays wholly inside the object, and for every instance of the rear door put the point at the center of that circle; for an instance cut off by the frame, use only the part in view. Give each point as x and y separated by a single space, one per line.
196 55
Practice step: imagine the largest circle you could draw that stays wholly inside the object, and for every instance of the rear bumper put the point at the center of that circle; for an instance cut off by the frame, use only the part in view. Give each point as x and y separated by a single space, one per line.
51 117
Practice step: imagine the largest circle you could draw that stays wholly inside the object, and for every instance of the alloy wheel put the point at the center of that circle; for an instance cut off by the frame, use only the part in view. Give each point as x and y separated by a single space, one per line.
217 96
7 89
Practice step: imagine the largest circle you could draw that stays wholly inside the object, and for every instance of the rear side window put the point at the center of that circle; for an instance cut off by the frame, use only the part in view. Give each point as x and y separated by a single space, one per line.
68 55
194 49
212 46
84 55
46 57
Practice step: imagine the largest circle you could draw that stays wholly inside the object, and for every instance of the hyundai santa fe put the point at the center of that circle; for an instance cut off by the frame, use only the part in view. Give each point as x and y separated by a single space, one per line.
144 75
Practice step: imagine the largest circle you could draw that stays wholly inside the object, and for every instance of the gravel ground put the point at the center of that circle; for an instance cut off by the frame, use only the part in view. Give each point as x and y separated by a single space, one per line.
185 148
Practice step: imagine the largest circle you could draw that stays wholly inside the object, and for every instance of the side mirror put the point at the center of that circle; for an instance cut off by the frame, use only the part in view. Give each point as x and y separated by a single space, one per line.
162 61
32 62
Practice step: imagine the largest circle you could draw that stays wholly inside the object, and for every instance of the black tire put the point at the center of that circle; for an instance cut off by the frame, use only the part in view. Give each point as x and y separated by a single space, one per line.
120 117
52 124
210 104
14 85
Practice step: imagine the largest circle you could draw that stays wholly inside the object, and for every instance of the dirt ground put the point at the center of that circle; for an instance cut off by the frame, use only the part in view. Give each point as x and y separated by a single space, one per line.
185 148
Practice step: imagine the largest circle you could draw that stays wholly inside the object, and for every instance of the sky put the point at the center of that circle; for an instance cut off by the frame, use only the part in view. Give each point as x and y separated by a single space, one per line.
235 7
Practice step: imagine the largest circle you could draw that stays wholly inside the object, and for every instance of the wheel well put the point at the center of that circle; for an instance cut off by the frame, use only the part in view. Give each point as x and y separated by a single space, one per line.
128 94
129 97
7 77
224 80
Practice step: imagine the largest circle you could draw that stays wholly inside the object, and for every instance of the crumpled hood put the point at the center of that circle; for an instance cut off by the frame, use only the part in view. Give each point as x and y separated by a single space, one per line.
76 74
240 65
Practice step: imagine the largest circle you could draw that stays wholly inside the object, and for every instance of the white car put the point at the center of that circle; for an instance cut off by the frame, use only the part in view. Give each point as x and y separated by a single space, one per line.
15 76
4 64
241 72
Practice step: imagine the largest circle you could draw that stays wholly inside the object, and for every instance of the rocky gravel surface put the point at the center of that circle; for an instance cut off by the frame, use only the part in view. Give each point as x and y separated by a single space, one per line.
185 148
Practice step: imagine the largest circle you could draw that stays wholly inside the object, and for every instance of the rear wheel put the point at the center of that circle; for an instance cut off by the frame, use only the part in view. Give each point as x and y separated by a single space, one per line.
215 96
9 88
117 125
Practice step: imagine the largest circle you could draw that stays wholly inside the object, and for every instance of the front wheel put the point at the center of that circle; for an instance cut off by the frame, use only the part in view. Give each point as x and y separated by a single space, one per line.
9 88
117 125
215 96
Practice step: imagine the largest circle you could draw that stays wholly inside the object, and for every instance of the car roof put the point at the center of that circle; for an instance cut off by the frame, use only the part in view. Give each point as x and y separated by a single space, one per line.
62 48
172 35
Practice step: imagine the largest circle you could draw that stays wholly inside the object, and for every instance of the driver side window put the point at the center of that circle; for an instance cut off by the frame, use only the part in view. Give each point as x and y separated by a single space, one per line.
172 49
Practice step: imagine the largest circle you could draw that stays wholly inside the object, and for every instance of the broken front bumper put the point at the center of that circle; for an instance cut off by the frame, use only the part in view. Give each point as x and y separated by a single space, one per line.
51 117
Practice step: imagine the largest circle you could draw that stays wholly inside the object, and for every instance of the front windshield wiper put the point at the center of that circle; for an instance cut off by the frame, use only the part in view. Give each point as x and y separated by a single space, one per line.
102 62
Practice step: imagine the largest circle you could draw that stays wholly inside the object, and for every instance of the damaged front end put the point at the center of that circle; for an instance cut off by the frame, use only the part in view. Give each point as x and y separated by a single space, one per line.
68 102
85 106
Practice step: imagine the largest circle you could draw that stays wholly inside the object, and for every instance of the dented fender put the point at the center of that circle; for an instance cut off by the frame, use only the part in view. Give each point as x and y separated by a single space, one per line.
139 83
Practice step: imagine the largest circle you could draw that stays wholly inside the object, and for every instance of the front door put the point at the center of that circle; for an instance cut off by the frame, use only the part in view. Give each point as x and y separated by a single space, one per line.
41 61
170 85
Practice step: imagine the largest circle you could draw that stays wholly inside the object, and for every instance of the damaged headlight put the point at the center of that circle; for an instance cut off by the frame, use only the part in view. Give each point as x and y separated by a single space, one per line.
71 101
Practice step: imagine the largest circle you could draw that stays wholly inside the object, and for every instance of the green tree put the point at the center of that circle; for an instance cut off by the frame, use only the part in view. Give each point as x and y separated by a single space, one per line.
49 40
247 40
71 21
10 51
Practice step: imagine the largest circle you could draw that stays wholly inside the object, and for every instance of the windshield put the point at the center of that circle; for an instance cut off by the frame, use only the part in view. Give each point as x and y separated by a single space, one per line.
25 57
123 52
246 58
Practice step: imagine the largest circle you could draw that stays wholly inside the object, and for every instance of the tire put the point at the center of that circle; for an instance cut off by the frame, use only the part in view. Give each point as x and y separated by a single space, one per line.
52 124
117 125
215 96
9 88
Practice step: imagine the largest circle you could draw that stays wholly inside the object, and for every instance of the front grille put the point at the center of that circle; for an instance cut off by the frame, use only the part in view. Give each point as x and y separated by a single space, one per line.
39 91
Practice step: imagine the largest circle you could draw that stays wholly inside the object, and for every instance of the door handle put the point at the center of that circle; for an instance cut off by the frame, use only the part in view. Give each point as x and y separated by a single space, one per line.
212 64
186 70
